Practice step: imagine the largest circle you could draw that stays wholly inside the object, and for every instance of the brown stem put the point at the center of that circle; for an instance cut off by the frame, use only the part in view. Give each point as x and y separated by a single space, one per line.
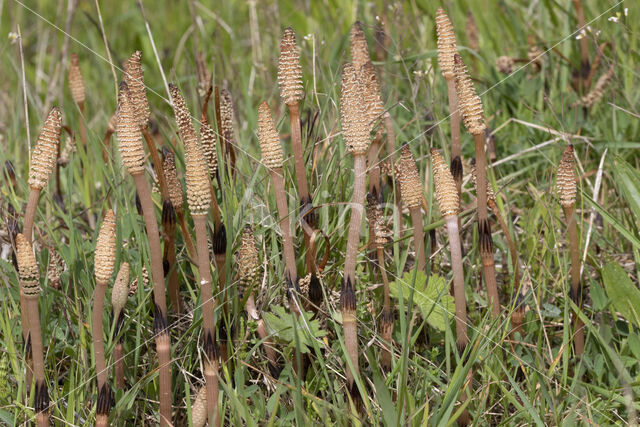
163 346
105 145
285 226
191 249
208 321
26 338
454 114
386 320
298 155
118 356
96 332
462 337
574 248
30 213
418 235
374 164
169 232
484 227
348 299
35 332
596 64
512 246
220 260
83 127
157 163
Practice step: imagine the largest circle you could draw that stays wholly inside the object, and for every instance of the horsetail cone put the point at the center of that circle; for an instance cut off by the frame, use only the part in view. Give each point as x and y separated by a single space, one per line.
359 48
353 112
76 81
410 187
27 267
120 291
469 101
445 186
566 180
248 261
199 408
45 153
197 176
375 106
173 184
226 115
289 69
128 132
447 45
272 156
134 76
105 255
208 139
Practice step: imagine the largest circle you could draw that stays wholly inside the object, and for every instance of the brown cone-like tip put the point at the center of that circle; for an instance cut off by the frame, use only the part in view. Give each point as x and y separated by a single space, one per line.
45 153
199 408
105 256
375 106
248 261
76 81
208 139
289 69
353 113
197 176
598 90
566 180
410 187
27 267
128 132
359 47
505 64
447 45
226 115
446 192
469 101
171 176
120 291
134 76
269 139
54 269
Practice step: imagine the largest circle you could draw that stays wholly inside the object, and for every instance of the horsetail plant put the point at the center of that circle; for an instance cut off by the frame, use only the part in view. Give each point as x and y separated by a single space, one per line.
355 131
272 158
134 76
30 288
169 260
248 266
411 191
447 198
199 409
291 92
132 154
224 119
119 296
199 201
447 48
176 197
104 261
474 120
374 212
567 191
77 89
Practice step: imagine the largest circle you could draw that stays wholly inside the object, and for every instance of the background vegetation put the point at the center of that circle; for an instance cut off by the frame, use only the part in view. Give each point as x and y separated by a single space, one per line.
518 379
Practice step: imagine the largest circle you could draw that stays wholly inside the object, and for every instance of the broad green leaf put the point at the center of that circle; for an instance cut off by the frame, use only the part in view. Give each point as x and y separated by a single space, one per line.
628 182
432 298
282 325
622 292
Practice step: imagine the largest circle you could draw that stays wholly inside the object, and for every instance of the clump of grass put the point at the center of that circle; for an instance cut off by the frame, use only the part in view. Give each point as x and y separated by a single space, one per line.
199 201
104 261
132 154
119 296
248 265
567 190
355 130
77 88
30 288
447 48
411 191
474 120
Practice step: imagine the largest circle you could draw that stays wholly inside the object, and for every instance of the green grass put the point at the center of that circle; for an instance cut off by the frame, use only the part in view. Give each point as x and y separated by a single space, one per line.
602 387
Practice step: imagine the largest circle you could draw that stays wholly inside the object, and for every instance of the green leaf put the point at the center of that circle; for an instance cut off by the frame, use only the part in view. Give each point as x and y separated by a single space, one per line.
628 182
634 344
433 299
282 324
622 292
